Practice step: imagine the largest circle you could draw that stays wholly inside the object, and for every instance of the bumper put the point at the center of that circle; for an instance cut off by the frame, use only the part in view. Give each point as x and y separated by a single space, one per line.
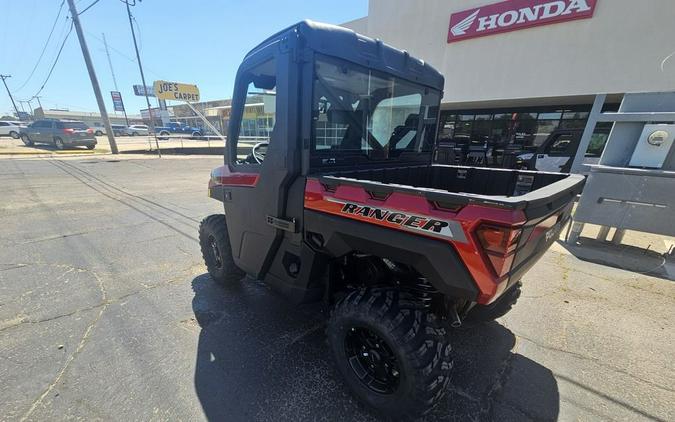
79 142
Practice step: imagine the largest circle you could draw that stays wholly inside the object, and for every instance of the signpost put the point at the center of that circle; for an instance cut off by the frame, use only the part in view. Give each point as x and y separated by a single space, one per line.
118 104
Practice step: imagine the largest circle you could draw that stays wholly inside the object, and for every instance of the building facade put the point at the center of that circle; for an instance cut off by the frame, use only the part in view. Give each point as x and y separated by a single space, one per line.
517 70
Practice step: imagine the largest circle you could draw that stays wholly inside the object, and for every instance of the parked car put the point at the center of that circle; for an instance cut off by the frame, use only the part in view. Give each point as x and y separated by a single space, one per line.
177 127
137 130
119 130
11 128
60 133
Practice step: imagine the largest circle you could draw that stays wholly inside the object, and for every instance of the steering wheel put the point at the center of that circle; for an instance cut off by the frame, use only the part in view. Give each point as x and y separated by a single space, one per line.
257 155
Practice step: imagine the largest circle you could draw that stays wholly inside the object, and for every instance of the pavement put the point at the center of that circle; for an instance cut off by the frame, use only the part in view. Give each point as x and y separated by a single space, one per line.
107 313
176 144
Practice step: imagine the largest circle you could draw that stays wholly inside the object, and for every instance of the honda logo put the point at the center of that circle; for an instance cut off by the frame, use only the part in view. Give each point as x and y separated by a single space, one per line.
515 14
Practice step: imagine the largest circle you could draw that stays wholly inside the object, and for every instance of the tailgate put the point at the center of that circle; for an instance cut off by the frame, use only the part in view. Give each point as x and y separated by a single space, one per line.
548 210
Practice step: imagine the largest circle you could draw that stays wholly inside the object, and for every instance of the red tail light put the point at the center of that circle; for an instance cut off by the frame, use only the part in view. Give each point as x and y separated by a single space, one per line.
499 244
90 131
68 131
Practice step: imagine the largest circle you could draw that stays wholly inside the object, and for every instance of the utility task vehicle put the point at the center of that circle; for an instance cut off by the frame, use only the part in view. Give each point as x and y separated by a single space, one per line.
341 204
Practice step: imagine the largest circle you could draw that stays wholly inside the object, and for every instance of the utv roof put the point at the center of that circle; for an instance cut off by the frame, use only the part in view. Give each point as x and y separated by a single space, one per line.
344 43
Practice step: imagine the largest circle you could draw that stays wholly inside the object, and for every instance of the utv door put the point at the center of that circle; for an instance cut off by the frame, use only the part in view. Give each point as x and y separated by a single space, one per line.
263 155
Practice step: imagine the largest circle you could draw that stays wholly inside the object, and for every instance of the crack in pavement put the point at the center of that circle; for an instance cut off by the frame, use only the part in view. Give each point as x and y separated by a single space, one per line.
73 355
21 321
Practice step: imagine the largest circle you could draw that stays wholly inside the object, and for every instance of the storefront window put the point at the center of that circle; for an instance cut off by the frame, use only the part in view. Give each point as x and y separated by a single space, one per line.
567 115
544 129
550 116
482 127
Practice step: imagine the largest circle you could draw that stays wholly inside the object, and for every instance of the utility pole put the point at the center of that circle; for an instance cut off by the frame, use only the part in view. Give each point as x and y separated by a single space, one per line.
112 72
37 97
92 76
10 94
140 67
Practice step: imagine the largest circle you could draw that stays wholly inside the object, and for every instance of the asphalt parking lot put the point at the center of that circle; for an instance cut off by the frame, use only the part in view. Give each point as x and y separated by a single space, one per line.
107 313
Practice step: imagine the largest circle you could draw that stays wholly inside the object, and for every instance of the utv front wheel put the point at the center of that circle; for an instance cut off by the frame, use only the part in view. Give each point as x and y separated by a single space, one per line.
216 250
393 354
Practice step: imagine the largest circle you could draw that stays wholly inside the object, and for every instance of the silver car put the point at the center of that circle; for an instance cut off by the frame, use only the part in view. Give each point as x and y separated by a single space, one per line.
138 130
60 133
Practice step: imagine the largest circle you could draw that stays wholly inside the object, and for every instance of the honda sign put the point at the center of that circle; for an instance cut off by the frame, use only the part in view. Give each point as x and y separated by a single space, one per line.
513 15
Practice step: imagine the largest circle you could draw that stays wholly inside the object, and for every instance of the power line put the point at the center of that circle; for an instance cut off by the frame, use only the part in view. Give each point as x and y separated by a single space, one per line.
43 48
131 59
88 7
56 60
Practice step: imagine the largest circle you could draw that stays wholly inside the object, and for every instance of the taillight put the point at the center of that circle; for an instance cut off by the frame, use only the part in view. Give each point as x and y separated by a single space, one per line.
90 131
69 131
499 244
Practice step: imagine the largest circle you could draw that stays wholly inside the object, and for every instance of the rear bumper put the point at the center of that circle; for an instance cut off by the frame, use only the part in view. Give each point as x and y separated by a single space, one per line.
80 142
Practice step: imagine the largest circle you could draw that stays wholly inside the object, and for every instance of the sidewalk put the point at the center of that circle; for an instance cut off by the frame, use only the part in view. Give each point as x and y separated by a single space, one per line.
126 145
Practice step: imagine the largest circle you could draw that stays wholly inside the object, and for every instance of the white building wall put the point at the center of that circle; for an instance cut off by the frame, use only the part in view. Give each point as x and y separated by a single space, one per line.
620 49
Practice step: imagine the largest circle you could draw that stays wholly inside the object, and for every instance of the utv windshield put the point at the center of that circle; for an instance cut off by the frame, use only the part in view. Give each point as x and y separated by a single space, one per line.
360 115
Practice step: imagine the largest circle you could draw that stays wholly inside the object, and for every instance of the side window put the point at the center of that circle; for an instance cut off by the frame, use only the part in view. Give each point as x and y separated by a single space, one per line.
561 145
4 124
259 114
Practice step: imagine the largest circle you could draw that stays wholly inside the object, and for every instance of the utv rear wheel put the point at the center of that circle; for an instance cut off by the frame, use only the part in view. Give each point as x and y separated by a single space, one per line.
393 354
216 250
498 309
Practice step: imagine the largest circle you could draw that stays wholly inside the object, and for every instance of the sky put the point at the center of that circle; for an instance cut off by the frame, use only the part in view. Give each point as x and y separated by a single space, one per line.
190 41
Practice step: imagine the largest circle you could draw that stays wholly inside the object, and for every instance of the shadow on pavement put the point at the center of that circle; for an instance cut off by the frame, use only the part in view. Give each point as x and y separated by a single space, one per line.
52 148
624 257
260 358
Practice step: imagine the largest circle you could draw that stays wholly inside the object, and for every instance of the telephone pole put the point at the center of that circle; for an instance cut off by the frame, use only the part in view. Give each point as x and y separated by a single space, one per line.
37 97
140 67
112 72
92 76
10 94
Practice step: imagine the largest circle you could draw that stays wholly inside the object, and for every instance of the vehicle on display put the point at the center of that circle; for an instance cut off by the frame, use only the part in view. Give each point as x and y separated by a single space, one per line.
341 204
176 127
556 153
11 128
137 130
60 133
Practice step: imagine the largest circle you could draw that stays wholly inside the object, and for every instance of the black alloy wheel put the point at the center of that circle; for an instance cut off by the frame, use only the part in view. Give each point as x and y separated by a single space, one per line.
372 360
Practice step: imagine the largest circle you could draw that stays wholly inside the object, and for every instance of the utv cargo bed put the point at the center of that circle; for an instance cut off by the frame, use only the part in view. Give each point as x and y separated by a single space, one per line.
536 193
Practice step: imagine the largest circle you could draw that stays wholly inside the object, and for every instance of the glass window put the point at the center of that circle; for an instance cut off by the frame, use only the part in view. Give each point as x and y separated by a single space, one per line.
562 145
258 118
447 127
550 116
463 129
599 139
543 131
567 115
482 129
573 124
71 125
358 110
